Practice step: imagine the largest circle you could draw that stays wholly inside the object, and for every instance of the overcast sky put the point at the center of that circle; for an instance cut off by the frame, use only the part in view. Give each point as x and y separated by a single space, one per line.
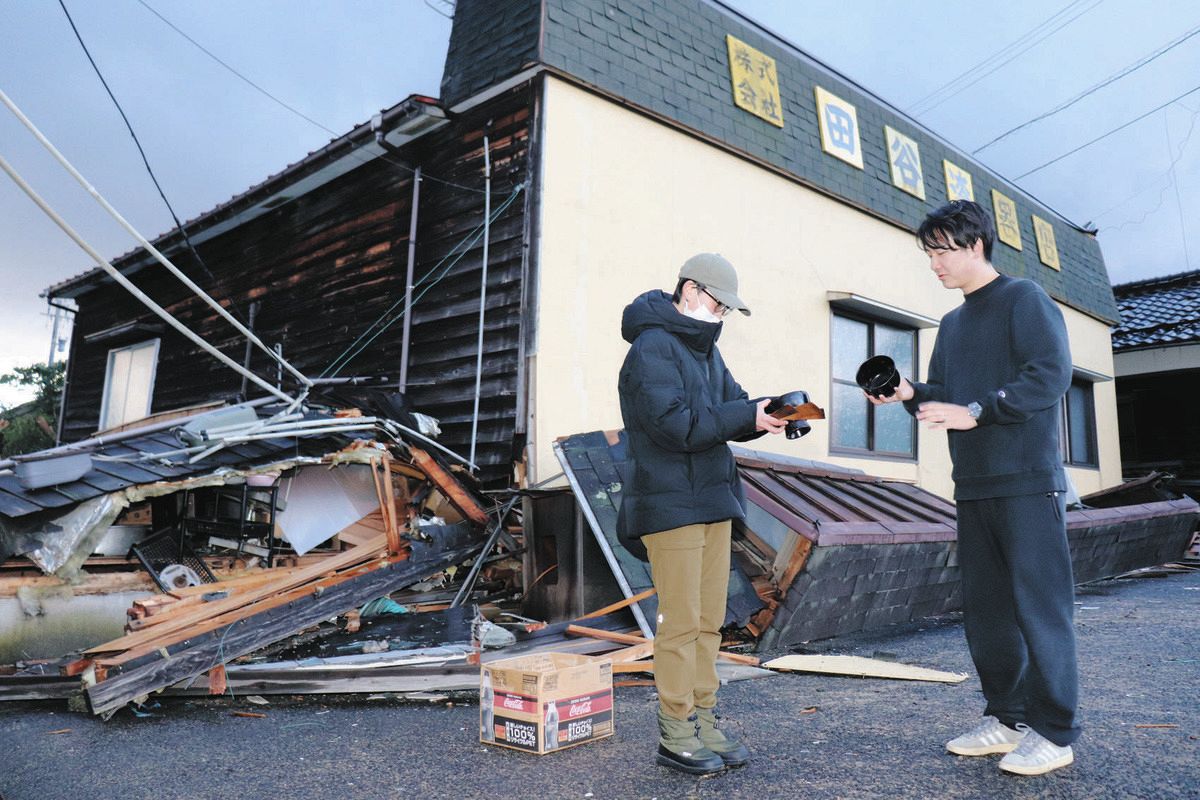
210 136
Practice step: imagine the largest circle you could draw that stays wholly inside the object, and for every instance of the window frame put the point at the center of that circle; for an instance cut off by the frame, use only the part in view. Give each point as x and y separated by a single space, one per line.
106 392
1065 436
871 322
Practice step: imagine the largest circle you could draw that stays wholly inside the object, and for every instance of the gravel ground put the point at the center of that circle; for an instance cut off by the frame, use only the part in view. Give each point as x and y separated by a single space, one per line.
1139 648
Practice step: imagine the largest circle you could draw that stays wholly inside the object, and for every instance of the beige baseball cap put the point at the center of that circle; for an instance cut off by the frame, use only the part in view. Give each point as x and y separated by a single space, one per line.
717 276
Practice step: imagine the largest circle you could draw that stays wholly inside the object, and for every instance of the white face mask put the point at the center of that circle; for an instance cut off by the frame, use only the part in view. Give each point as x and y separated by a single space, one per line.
701 313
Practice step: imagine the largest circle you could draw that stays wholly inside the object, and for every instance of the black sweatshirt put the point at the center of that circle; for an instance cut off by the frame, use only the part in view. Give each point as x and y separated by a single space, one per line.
1005 348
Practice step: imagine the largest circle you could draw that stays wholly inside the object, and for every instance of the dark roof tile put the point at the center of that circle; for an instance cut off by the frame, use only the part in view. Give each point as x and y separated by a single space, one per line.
1158 311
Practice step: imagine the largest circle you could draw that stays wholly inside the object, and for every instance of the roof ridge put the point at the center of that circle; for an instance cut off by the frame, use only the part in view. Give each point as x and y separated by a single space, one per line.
1177 277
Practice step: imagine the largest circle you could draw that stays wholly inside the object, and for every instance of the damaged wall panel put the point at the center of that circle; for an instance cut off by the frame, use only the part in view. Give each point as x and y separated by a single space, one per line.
326 264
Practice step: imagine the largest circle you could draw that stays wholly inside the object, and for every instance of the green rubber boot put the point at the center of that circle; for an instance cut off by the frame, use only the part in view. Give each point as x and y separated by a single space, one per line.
731 751
680 748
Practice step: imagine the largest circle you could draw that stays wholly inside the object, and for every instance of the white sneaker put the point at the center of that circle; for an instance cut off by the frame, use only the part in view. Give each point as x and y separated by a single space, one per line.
988 737
1036 755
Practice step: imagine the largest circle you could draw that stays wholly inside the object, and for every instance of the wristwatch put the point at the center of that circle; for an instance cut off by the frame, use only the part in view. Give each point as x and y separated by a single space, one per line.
974 409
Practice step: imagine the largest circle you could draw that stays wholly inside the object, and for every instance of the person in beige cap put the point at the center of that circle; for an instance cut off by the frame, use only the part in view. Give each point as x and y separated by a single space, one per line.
681 406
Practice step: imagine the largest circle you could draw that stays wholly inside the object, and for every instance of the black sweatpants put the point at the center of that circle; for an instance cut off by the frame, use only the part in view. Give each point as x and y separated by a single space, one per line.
1018 608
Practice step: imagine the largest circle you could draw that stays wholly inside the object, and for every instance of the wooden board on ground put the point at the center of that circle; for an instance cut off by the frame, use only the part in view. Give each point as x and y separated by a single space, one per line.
631 639
859 667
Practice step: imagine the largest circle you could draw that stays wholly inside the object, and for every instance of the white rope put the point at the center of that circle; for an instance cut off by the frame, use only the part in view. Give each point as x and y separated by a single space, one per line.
4 98
136 292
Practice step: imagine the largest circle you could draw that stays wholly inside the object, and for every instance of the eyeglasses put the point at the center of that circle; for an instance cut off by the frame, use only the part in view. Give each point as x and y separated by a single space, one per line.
722 309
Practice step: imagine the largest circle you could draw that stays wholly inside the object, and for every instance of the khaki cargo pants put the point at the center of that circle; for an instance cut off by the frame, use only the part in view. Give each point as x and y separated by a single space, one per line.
690 569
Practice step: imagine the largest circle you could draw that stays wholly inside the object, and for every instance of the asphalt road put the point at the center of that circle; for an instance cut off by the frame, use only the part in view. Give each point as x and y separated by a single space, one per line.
1139 647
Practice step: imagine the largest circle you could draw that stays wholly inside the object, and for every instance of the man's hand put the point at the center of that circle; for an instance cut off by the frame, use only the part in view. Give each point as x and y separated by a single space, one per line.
765 422
903 392
946 416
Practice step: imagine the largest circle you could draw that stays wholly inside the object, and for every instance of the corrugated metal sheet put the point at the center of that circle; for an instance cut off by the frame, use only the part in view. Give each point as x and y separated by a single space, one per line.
108 476
832 506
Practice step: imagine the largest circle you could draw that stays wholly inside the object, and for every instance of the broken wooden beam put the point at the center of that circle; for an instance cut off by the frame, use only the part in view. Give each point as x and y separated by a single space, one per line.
387 501
250 633
629 638
300 577
449 486
632 653
617 606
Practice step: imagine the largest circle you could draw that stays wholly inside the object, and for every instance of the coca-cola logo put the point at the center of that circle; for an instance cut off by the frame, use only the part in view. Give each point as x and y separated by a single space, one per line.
513 702
579 709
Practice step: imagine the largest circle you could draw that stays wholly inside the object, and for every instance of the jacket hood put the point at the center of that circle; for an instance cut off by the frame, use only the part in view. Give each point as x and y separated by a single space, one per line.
654 309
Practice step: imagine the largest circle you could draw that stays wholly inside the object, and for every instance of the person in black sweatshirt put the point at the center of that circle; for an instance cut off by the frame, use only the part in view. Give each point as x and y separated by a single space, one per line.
999 370
681 406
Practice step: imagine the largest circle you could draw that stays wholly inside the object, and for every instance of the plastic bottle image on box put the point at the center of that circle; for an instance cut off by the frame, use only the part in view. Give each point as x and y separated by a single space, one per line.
487 709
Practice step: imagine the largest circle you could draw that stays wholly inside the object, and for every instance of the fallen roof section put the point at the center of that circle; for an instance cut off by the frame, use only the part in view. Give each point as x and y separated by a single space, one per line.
825 551
152 457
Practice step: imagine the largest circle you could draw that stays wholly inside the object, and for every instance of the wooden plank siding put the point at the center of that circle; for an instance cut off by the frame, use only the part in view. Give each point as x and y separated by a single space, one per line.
326 264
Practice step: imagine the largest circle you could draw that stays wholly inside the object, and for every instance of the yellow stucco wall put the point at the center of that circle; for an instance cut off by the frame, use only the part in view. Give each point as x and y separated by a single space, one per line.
626 200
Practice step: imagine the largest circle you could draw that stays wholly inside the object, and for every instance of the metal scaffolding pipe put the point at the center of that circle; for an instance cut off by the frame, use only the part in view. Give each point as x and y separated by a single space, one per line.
406 339
136 292
487 223
112 438
142 240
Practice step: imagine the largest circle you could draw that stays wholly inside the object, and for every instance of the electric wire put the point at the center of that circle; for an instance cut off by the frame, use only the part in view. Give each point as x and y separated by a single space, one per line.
1187 258
150 248
1117 129
1175 158
359 344
435 9
989 58
292 109
1123 72
922 106
124 282
182 230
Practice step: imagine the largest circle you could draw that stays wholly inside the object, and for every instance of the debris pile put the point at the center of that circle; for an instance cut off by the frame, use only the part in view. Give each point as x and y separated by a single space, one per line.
331 559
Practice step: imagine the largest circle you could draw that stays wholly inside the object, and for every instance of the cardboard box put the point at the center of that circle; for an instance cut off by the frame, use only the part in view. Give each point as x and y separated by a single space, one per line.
545 702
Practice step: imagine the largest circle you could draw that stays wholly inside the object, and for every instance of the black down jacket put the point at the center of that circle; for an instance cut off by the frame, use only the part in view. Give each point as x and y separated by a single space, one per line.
680 406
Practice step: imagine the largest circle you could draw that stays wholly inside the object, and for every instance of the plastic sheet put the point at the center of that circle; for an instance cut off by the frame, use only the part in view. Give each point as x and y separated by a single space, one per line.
68 540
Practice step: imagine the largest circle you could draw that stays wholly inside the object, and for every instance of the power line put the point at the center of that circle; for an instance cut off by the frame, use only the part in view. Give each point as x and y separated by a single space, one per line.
1175 158
1014 56
1187 259
1056 159
218 59
289 107
988 59
137 142
449 4
1127 70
